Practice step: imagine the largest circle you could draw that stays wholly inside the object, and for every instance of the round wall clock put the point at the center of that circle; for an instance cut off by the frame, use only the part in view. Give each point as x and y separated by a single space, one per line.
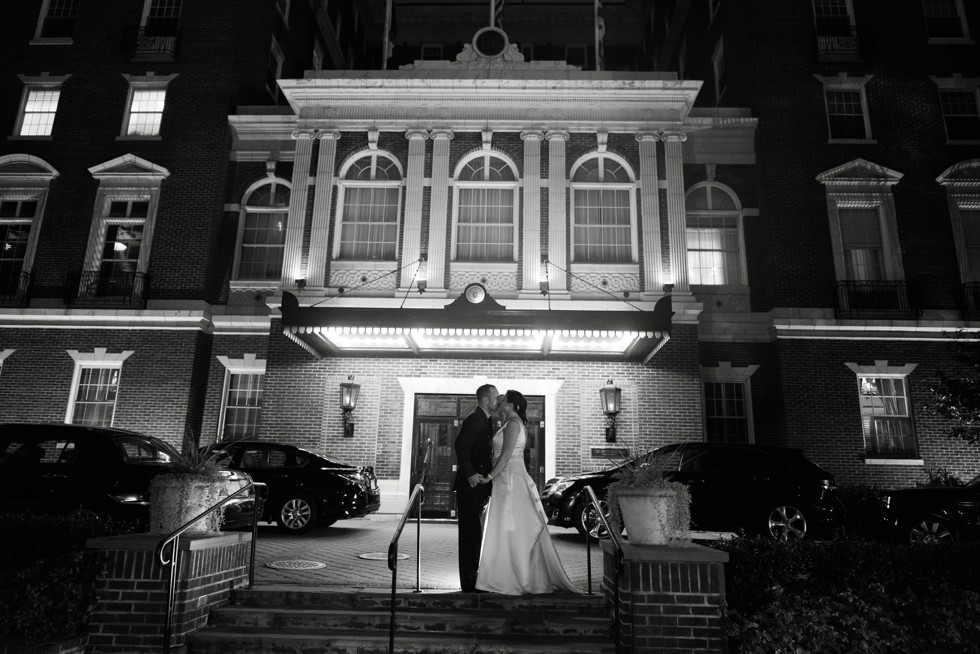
475 293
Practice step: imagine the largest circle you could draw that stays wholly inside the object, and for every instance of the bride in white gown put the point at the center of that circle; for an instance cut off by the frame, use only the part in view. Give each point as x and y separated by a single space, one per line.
518 556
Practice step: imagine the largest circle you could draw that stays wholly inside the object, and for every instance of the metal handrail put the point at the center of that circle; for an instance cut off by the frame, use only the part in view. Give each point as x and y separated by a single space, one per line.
617 543
417 496
174 537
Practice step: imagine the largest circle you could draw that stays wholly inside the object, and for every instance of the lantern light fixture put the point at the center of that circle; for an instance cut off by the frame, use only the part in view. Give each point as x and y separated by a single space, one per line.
348 402
611 397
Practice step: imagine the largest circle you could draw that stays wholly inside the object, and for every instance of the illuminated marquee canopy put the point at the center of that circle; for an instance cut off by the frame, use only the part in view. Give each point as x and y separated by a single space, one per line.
478 327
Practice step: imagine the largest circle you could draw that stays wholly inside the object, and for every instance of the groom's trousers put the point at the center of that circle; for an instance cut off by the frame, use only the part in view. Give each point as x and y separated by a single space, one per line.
469 513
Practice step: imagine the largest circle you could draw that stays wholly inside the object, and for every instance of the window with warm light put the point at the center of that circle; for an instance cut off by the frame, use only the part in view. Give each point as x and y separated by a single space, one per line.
262 231
603 211
145 112
886 413
715 244
727 403
39 110
241 407
370 197
95 387
485 209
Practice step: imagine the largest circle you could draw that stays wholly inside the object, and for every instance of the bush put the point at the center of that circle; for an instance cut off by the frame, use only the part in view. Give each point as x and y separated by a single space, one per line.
862 509
851 595
47 577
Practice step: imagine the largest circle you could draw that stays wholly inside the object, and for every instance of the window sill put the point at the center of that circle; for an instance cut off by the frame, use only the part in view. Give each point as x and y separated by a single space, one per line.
139 138
366 264
852 141
893 462
17 137
481 266
959 40
52 41
605 267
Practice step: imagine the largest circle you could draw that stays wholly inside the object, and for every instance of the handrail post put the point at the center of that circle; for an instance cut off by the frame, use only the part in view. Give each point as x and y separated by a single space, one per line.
418 544
615 539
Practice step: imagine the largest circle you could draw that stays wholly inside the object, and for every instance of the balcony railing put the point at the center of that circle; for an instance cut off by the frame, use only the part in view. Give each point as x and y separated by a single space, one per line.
861 299
15 288
98 288
146 41
842 45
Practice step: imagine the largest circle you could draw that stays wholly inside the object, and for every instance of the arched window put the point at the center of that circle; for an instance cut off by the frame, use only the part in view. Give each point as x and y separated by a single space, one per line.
262 231
24 182
603 225
370 188
486 209
714 236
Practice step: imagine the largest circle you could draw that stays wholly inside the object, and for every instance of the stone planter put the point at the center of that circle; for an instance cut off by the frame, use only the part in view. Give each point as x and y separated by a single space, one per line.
654 516
176 499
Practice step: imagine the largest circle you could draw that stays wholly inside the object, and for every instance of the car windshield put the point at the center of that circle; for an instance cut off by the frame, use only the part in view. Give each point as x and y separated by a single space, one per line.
142 449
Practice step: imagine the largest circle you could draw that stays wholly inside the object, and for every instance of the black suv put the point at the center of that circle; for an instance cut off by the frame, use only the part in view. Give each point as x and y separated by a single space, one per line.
932 515
58 468
756 488
306 488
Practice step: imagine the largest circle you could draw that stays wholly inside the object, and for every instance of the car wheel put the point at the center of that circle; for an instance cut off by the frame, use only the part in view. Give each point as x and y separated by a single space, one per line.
931 532
786 522
296 514
586 521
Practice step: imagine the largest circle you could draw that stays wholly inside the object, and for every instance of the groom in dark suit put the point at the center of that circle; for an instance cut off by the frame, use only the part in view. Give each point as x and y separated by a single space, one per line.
474 459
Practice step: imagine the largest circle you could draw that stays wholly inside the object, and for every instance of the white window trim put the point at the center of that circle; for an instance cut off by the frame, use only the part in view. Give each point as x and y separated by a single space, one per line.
99 358
882 369
242 211
31 83
962 184
624 266
3 357
47 40
276 51
725 373
861 184
718 68
958 83
457 185
143 82
344 184
850 12
124 184
738 213
249 364
28 186
844 82
956 40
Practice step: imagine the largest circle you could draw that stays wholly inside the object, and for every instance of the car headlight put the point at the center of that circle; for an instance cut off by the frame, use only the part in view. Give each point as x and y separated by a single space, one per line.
129 498
886 500
559 487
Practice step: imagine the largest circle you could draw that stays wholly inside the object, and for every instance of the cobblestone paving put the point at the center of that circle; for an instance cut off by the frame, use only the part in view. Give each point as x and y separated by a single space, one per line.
340 545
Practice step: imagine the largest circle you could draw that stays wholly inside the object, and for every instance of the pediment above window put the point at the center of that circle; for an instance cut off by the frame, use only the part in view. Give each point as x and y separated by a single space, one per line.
859 172
25 168
129 166
964 173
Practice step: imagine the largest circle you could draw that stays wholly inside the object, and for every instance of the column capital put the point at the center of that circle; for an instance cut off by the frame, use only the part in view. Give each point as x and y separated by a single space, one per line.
532 135
647 136
413 134
442 134
328 134
303 134
674 136
556 135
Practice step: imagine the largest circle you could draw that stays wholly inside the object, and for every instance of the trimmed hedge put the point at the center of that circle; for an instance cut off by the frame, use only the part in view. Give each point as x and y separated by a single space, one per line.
851 595
47 577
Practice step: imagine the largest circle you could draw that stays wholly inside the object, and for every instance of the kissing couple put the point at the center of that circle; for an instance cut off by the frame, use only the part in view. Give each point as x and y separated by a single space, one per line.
508 551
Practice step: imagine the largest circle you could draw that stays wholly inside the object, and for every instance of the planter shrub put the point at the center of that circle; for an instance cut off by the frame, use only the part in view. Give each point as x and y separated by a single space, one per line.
47 577
851 595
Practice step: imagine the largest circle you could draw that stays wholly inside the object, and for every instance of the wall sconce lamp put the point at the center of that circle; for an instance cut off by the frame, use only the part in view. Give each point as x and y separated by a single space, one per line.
301 283
611 397
422 285
545 287
348 401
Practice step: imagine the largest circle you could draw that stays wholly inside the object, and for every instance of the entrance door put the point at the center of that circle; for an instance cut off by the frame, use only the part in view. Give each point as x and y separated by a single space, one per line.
438 418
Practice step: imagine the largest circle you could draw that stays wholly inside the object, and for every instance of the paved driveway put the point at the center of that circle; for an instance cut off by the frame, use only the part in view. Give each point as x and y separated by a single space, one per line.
341 547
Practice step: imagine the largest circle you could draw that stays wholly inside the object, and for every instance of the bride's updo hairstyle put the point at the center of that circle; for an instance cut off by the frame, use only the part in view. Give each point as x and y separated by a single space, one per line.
520 404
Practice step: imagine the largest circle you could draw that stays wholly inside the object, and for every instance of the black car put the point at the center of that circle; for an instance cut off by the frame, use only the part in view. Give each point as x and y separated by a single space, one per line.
59 468
306 488
932 515
756 488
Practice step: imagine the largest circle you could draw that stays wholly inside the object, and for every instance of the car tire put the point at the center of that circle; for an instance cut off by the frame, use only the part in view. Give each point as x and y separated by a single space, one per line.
786 521
931 531
296 514
585 520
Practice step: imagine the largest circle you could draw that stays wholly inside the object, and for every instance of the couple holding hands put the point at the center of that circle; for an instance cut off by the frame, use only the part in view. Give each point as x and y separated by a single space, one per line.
504 543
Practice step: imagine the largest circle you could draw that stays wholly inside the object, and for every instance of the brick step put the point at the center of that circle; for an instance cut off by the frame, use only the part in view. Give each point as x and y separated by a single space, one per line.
302 641
460 622
305 597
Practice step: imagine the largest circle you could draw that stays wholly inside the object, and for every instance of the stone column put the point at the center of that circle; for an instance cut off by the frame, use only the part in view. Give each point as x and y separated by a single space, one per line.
412 228
557 218
531 230
323 197
438 211
650 208
293 256
676 217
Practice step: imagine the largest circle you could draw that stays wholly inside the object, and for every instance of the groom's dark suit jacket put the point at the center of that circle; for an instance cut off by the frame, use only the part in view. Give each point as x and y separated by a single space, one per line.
474 452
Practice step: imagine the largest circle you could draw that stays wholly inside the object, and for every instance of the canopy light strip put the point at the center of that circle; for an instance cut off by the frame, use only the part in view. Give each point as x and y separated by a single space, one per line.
469 331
